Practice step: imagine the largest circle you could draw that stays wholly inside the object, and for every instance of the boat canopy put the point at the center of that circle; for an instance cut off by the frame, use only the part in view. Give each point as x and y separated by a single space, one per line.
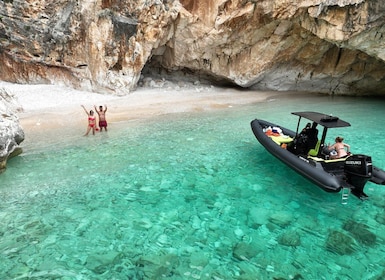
327 121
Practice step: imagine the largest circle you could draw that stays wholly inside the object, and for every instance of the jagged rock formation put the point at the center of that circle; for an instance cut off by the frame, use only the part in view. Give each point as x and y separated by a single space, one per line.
330 46
11 133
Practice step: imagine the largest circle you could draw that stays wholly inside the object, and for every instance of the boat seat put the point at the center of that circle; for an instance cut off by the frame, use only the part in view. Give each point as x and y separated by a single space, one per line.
314 152
281 139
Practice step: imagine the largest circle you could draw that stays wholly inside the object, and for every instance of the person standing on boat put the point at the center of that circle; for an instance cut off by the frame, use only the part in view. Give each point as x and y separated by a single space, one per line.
102 117
306 128
300 143
91 121
339 148
308 138
312 136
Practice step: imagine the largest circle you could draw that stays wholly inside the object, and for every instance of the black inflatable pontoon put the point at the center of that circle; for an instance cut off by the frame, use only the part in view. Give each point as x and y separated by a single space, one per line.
309 158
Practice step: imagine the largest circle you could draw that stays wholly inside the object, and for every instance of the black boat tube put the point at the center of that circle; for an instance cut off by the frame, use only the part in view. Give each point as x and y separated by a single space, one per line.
378 176
310 170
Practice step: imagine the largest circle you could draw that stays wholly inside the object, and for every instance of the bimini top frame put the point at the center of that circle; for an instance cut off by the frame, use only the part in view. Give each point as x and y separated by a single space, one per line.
327 121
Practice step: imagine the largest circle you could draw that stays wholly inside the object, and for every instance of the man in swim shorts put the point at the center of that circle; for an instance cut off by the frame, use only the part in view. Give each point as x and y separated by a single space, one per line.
102 117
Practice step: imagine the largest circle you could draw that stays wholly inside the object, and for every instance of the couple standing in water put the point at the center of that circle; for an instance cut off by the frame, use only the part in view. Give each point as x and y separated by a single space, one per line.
92 119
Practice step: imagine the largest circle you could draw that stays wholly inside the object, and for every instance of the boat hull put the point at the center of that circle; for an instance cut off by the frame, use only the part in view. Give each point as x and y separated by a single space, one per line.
378 176
309 169
304 153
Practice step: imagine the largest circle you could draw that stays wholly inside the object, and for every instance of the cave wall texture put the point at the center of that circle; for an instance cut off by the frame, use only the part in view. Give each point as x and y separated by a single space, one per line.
330 46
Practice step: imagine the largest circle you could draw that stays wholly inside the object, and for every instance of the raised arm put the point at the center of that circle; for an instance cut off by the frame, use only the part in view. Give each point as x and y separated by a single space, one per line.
96 110
105 108
85 110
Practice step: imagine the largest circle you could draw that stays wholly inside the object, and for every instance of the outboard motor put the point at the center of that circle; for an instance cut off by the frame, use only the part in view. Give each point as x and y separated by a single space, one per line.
358 170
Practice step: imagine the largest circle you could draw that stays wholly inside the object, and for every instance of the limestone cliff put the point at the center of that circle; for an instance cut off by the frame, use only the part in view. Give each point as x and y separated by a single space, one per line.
331 46
11 133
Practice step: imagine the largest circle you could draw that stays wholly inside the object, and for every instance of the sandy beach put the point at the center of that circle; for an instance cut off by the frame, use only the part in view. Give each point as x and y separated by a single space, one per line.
52 107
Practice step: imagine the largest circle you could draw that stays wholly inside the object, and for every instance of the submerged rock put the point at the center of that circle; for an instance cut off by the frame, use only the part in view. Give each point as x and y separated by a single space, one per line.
281 218
157 266
340 243
244 251
289 238
99 263
380 218
257 216
11 133
360 232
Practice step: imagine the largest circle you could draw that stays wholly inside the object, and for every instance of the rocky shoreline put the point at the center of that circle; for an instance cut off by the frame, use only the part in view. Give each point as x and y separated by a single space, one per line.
11 132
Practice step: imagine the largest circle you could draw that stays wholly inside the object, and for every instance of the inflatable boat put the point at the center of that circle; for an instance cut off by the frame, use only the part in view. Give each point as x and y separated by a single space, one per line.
308 155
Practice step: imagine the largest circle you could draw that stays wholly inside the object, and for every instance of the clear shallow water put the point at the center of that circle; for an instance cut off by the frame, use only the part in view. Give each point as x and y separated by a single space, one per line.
190 196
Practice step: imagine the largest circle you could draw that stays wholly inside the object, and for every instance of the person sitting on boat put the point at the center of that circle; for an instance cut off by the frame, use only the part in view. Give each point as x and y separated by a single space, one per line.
339 148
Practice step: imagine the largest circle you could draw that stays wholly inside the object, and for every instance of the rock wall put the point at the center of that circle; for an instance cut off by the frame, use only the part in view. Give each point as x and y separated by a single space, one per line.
11 133
330 46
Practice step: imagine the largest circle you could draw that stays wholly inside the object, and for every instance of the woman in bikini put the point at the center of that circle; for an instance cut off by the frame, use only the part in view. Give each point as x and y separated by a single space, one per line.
339 147
91 121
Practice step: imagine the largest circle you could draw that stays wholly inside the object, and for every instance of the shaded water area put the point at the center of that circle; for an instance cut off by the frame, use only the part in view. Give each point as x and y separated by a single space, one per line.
190 196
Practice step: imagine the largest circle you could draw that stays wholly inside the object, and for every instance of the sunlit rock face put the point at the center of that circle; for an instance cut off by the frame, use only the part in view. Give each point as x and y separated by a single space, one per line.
95 45
11 133
332 46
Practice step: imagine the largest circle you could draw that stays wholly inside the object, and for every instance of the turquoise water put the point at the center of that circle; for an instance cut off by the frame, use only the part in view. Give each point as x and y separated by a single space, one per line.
190 196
